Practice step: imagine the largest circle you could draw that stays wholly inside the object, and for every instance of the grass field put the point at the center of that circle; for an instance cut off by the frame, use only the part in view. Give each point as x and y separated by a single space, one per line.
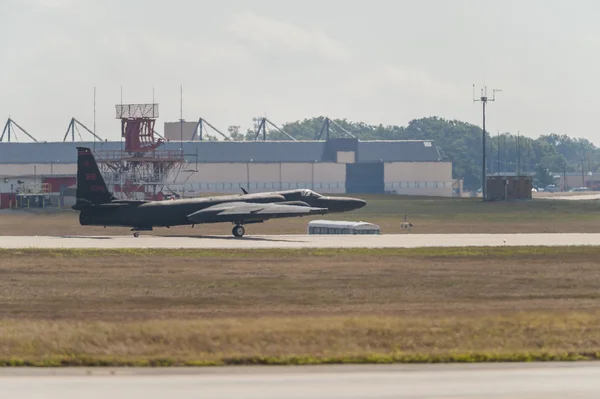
429 215
161 307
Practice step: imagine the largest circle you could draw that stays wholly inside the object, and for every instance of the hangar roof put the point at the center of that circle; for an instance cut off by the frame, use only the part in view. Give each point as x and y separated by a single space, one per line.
229 151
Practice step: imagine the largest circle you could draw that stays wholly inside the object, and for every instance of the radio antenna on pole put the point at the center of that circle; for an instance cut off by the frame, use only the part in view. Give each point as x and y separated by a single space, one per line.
484 99
121 121
94 118
181 115
498 164
518 153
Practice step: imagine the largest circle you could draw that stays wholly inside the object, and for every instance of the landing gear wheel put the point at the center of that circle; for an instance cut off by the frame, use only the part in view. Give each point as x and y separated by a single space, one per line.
136 234
238 231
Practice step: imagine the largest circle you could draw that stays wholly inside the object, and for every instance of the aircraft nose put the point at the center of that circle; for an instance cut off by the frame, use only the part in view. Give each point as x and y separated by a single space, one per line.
349 204
359 203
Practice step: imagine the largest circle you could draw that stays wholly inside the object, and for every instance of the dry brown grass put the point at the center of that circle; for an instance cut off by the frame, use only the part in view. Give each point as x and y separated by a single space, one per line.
209 306
278 339
122 285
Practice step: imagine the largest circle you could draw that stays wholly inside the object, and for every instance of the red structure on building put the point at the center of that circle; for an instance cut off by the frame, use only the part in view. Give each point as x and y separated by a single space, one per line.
7 200
141 170
137 127
54 183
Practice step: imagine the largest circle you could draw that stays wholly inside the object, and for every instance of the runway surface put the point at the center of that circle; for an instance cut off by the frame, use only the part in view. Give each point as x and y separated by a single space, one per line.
499 381
301 241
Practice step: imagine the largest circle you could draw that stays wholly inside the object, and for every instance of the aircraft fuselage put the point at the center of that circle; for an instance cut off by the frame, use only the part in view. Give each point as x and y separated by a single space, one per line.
176 212
160 213
98 206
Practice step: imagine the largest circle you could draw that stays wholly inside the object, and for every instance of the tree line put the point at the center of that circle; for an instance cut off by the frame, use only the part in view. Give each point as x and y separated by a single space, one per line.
460 143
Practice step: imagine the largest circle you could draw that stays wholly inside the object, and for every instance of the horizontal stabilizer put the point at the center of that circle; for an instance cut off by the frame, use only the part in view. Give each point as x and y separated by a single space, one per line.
129 202
83 203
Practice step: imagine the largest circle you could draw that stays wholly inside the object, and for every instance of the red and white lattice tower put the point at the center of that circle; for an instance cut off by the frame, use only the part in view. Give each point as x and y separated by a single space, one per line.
140 170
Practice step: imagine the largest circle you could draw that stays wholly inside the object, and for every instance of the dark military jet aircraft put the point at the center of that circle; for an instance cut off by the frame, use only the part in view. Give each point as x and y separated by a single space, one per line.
98 207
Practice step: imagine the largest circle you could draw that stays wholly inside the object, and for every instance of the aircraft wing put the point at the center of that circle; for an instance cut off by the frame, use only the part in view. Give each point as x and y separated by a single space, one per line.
241 212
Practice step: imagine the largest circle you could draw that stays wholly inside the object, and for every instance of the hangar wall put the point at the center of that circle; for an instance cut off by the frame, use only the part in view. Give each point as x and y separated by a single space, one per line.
37 169
420 171
422 178
228 177
404 178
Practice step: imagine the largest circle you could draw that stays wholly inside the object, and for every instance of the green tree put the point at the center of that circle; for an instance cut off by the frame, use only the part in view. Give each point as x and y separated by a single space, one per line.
461 143
234 133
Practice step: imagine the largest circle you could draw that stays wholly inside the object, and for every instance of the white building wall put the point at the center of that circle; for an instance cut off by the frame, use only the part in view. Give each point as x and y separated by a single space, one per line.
297 172
419 178
216 173
330 178
425 189
417 171
261 177
404 178
264 172
330 172
37 169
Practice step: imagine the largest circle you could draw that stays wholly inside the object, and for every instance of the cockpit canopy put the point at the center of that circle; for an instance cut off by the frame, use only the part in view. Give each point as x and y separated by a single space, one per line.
310 193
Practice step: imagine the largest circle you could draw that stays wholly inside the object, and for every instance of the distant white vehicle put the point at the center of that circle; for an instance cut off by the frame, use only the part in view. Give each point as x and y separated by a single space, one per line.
341 227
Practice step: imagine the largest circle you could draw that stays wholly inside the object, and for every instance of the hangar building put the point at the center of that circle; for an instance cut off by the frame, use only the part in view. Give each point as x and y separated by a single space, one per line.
334 166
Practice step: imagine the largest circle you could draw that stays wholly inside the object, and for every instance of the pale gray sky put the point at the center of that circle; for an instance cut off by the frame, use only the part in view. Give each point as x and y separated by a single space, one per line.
386 61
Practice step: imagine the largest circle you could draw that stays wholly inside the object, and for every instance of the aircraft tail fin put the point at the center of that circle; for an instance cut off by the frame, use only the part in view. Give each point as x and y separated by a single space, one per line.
91 188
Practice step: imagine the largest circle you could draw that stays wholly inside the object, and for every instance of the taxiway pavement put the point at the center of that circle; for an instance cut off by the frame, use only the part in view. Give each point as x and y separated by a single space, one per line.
301 241
500 381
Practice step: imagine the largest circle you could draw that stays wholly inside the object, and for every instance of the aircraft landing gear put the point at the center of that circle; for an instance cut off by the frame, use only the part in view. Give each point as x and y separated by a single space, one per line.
238 230
136 230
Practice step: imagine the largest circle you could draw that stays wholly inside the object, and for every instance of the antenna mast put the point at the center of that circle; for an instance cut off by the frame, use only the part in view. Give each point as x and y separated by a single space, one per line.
484 99
181 115
94 117
498 164
121 138
518 153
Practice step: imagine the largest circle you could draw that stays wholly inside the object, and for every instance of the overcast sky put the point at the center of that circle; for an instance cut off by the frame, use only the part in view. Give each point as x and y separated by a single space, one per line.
386 61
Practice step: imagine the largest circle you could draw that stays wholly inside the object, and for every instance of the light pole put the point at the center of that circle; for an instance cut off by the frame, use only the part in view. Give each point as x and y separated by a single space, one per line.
484 99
